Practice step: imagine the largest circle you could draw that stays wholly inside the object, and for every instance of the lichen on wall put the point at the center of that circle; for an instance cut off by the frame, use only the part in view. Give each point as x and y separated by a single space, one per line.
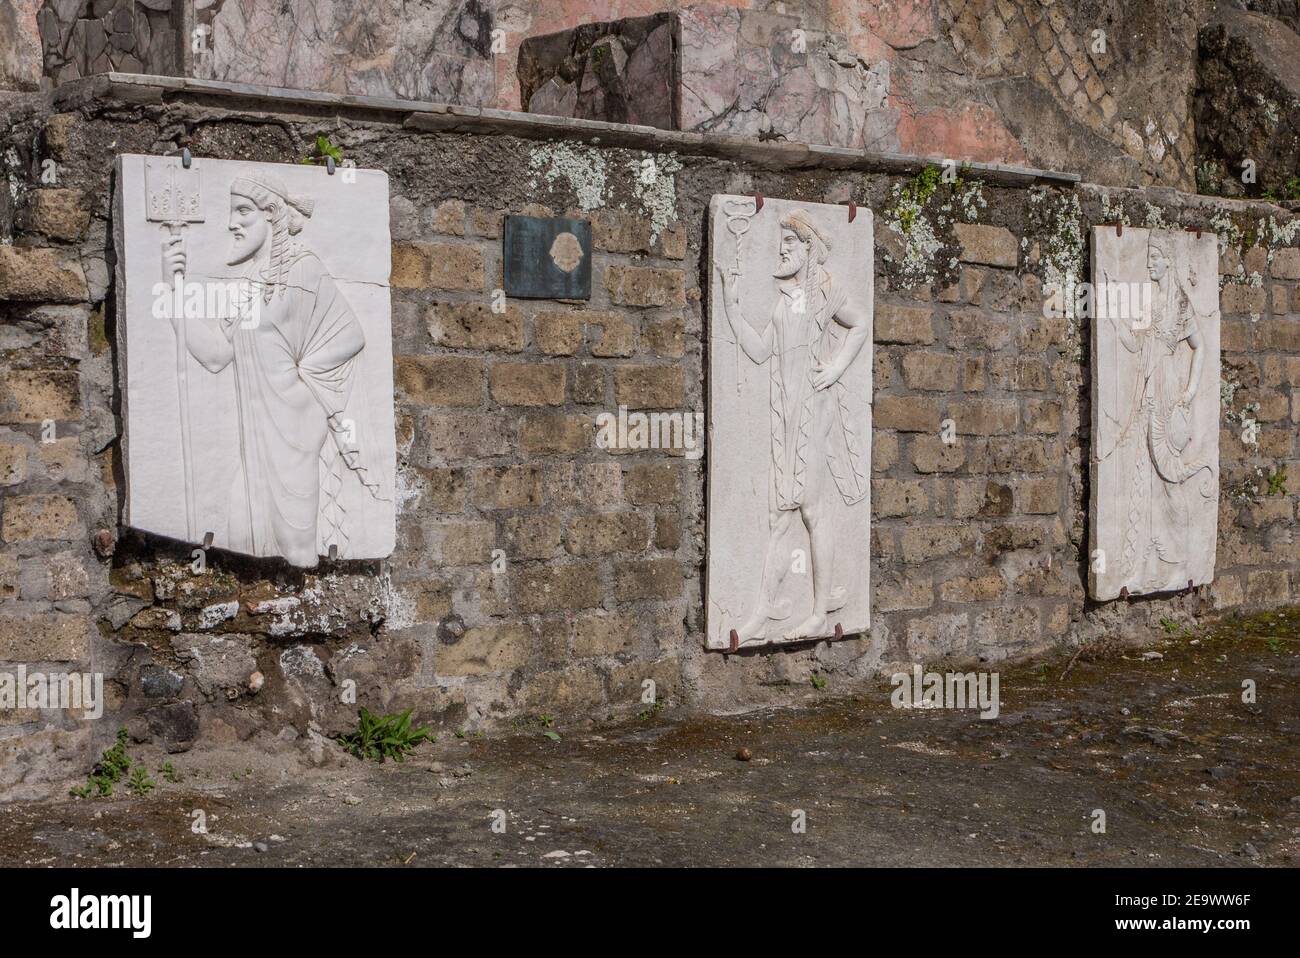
922 235
1113 211
579 168
1056 219
1274 234
654 184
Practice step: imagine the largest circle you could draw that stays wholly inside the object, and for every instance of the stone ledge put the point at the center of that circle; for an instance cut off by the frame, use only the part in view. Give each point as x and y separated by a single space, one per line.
422 115
1179 200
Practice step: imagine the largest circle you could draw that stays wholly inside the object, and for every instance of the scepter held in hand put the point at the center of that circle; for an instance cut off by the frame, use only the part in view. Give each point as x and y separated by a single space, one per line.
172 199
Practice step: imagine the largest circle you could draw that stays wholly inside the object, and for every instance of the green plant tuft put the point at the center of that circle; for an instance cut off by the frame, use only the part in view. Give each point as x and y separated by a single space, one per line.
108 771
323 149
915 193
1277 482
140 783
380 738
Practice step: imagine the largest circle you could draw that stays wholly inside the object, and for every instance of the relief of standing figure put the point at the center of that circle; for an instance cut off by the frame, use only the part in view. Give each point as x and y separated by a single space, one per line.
294 371
1155 445
818 448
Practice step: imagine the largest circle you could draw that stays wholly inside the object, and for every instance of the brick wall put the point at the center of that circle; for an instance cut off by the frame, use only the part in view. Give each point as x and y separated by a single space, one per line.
588 593
1259 553
977 545
972 537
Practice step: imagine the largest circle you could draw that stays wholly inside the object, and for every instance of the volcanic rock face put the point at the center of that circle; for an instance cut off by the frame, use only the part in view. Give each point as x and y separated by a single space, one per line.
20 54
712 69
1248 103
1288 11
756 73
622 71
437 50
1010 81
440 51
1126 94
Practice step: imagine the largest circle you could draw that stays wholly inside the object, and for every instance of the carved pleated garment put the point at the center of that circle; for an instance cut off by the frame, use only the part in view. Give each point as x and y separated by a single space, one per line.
1155 549
294 373
811 431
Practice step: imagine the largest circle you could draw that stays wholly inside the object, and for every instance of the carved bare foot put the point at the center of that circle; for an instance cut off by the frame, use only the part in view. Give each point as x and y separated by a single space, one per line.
809 628
780 609
839 596
756 626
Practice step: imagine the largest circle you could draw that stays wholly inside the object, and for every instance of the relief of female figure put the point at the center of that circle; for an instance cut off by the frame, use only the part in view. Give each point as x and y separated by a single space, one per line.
1155 446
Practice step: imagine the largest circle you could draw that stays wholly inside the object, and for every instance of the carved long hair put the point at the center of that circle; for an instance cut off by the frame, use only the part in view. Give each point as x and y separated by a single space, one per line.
1167 250
819 248
289 214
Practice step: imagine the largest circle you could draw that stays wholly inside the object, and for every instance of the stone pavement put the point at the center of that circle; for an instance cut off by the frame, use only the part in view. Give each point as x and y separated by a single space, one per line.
1186 773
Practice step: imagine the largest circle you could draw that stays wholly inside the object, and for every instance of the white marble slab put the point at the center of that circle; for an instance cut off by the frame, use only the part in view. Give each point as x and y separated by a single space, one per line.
789 503
272 427
1155 411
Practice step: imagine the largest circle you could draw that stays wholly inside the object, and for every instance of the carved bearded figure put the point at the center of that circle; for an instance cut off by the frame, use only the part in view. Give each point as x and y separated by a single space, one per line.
294 373
1156 446
817 448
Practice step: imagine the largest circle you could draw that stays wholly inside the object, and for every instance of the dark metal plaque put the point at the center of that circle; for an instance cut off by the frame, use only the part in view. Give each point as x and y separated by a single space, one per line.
547 258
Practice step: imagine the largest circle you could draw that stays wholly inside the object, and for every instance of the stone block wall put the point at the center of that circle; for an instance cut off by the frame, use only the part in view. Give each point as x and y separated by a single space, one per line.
537 573
1248 105
81 37
624 71
593 549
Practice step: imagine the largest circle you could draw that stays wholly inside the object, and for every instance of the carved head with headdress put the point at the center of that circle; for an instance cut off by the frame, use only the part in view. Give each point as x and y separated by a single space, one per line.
1170 268
802 241
263 210
1159 259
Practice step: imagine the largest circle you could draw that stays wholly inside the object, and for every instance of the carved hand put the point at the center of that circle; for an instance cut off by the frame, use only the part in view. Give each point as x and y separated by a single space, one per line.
173 256
826 374
730 294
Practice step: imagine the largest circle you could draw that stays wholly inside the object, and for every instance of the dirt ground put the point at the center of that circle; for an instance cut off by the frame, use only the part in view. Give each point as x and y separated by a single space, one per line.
1185 771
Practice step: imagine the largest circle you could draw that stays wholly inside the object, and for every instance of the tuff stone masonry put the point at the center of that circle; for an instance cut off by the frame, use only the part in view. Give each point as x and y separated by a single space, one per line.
537 573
